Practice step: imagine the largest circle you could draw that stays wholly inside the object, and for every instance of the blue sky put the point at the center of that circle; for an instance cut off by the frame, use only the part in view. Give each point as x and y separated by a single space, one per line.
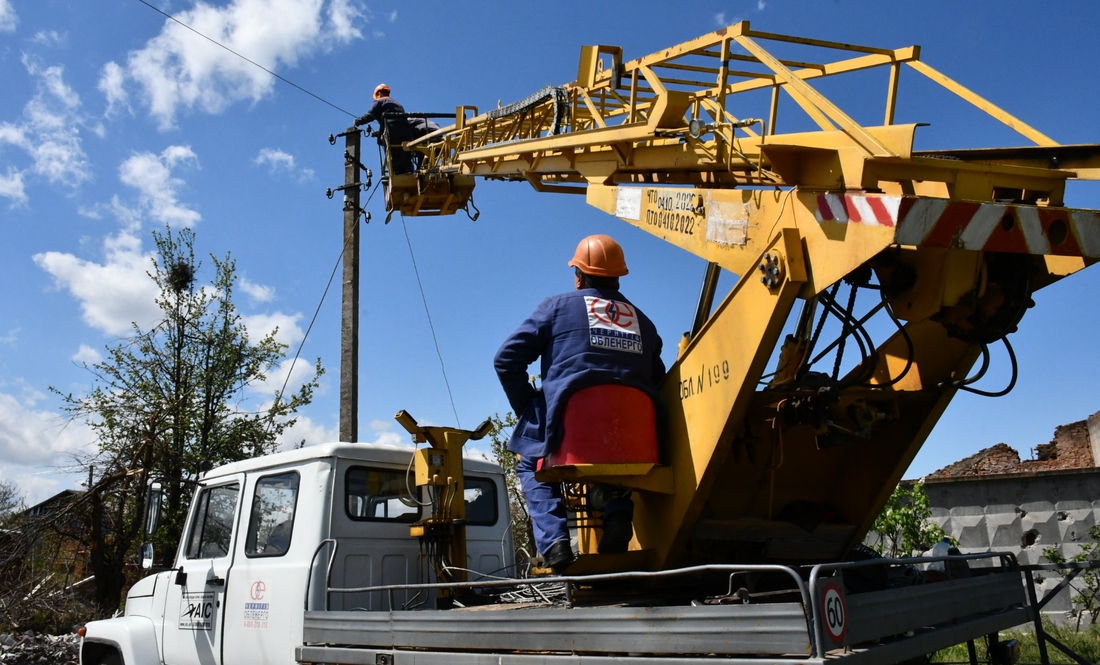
113 123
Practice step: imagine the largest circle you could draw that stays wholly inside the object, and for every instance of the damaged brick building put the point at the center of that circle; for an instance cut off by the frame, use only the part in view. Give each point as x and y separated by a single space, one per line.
1071 448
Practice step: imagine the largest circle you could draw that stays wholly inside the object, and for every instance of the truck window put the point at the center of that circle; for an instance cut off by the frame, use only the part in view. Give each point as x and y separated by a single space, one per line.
481 501
272 519
212 529
379 494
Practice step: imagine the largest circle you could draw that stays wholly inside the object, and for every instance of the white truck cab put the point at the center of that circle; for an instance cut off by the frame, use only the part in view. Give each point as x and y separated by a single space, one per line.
256 546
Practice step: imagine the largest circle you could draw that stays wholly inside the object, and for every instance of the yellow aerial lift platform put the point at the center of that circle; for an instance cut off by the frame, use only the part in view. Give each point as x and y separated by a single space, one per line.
792 466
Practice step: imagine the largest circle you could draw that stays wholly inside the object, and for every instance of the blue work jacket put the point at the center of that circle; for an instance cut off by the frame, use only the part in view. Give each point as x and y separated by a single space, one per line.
401 129
585 338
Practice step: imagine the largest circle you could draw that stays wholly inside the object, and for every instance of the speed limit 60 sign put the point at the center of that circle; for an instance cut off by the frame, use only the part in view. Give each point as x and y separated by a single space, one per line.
834 612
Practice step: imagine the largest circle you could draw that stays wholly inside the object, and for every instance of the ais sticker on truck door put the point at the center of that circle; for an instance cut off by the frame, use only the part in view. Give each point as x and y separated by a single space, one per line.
197 611
613 325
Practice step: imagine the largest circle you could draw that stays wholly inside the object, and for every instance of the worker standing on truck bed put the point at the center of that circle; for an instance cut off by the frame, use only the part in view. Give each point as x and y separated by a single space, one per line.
590 336
400 130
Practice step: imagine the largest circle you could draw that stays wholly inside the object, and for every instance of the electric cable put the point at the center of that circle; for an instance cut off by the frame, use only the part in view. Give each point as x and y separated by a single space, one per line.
435 339
251 62
408 486
339 258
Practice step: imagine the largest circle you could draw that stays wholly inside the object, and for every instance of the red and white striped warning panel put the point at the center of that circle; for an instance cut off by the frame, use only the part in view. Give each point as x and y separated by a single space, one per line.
858 208
991 227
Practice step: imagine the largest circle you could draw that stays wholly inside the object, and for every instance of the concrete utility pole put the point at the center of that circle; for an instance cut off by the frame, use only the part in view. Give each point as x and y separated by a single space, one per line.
349 327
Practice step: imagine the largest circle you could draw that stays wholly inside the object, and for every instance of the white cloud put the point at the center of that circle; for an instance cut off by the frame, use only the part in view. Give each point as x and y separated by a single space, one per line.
37 446
306 429
8 18
86 355
11 186
117 292
259 325
344 17
114 293
393 16
392 440
111 85
48 134
10 337
289 373
313 433
380 425
278 160
275 158
178 71
151 175
760 5
257 292
479 453
720 19
31 437
46 37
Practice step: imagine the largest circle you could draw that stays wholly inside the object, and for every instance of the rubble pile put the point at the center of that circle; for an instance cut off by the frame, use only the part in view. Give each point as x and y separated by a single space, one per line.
29 649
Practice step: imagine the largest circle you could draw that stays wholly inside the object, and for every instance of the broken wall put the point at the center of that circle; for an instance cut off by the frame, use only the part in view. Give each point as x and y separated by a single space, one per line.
1021 513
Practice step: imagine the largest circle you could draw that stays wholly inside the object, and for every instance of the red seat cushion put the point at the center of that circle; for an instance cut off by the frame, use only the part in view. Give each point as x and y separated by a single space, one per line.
607 424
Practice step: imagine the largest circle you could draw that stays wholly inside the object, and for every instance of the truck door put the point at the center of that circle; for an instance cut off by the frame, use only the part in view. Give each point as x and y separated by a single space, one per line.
264 597
194 614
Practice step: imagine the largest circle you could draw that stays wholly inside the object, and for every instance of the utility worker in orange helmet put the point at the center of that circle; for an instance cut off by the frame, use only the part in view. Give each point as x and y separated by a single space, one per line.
399 128
578 349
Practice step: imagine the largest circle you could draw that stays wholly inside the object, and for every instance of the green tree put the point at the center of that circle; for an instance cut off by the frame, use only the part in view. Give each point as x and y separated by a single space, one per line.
902 527
523 538
1087 584
169 401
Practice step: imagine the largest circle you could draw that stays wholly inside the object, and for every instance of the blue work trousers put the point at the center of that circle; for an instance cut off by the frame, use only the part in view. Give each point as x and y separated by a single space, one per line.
547 509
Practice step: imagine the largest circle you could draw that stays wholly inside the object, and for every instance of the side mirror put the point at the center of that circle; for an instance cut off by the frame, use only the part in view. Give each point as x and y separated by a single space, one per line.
147 556
153 500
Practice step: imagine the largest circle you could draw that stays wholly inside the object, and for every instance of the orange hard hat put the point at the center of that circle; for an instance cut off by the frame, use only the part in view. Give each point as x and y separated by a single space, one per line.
382 90
600 256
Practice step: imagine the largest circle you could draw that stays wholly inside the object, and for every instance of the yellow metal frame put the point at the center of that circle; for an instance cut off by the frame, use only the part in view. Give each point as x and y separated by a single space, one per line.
666 143
630 122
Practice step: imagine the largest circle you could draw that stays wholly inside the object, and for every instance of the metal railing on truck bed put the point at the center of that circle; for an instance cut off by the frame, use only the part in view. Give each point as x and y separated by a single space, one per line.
878 611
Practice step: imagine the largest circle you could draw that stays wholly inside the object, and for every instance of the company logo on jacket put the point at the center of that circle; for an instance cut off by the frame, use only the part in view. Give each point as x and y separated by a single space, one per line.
613 325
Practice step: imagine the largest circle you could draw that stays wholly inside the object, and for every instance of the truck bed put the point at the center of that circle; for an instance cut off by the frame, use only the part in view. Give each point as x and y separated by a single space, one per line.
882 626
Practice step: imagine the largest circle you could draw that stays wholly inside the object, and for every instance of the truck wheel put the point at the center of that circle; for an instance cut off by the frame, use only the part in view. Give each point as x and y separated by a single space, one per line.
111 658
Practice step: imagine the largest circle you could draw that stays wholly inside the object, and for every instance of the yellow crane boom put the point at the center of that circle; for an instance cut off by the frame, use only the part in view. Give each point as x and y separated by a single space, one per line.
684 144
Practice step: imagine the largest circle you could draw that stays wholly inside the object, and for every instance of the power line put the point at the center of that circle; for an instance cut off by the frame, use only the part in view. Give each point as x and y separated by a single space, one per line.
252 62
429 314
339 258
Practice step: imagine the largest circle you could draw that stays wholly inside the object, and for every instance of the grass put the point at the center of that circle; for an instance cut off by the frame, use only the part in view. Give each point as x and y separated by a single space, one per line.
1086 643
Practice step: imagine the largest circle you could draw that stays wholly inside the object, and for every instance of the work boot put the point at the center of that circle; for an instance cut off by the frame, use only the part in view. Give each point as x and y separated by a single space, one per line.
617 532
559 556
